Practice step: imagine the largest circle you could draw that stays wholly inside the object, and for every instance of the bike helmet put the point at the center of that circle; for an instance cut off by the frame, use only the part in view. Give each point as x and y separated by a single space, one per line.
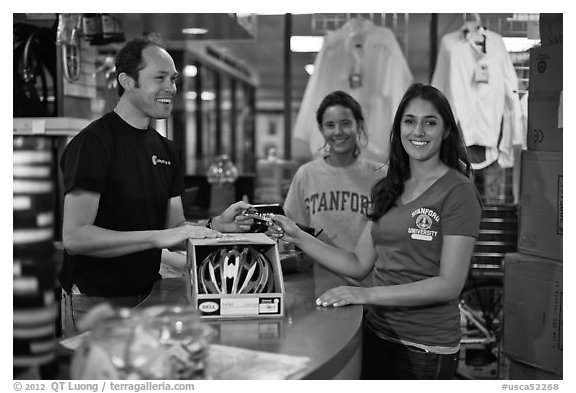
235 271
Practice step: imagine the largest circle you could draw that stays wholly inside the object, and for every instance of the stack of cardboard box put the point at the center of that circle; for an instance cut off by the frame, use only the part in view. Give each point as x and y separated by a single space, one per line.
533 276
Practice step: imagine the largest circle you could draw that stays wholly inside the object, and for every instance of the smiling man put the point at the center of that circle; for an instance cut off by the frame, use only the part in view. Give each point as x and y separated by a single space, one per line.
123 183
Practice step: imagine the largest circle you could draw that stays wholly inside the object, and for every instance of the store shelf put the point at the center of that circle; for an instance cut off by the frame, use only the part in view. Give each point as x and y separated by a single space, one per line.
49 126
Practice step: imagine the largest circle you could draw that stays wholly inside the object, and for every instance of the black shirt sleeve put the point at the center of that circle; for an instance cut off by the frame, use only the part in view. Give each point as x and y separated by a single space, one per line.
85 162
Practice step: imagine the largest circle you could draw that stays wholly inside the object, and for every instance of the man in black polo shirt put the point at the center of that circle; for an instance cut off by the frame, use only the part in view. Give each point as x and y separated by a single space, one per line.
122 185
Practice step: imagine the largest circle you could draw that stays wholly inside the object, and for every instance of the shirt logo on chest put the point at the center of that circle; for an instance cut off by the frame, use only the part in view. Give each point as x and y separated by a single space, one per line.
156 161
423 220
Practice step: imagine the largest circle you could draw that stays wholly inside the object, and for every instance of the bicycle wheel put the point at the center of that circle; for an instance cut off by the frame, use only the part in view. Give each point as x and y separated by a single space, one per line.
480 352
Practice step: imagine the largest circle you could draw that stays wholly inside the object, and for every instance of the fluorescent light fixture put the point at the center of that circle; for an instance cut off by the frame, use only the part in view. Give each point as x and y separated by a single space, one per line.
194 30
519 44
276 13
190 71
524 17
304 43
309 68
205 95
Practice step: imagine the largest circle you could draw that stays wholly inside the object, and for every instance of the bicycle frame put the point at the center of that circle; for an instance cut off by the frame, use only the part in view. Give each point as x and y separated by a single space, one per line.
487 336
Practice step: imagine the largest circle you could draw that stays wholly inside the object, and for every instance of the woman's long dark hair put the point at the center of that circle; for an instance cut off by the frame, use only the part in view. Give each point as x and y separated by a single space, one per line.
452 151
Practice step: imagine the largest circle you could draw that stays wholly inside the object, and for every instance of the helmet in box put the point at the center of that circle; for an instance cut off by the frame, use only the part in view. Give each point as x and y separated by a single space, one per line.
235 270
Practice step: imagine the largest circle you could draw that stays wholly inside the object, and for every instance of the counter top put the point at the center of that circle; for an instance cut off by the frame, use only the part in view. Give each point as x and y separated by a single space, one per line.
330 337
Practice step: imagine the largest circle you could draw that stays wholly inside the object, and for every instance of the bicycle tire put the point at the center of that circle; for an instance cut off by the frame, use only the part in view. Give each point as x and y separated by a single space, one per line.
485 300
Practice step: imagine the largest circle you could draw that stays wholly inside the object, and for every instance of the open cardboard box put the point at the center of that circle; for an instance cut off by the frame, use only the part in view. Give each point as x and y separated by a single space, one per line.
235 306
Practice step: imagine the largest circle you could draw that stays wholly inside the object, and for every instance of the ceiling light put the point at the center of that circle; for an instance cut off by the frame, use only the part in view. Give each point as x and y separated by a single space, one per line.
519 44
207 95
309 68
269 13
190 71
204 96
524 17
194 30
302 43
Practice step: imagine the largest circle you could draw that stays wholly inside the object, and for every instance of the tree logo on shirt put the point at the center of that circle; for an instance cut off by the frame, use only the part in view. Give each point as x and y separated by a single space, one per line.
424 218
156 161
423 221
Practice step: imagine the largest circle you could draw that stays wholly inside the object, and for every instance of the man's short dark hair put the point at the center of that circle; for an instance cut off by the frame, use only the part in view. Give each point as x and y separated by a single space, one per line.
129 58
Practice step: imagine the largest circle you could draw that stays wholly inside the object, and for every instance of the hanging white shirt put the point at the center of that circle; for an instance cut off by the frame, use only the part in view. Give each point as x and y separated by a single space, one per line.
385 76
482 90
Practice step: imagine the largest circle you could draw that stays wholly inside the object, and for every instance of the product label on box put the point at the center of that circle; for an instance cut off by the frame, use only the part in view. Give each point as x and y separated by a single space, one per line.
239 306
269 306
209 307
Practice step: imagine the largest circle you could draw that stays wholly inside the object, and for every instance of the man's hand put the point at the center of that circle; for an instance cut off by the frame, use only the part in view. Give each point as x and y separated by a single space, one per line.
232 220
174 238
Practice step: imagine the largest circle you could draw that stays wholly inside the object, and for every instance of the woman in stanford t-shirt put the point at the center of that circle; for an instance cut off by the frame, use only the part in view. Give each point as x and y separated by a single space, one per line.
418 245
332 193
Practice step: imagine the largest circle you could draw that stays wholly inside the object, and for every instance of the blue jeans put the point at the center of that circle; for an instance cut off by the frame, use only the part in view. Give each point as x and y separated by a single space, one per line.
384 359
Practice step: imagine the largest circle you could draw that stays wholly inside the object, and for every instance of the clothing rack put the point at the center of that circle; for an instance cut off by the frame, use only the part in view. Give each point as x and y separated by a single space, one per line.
397 22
